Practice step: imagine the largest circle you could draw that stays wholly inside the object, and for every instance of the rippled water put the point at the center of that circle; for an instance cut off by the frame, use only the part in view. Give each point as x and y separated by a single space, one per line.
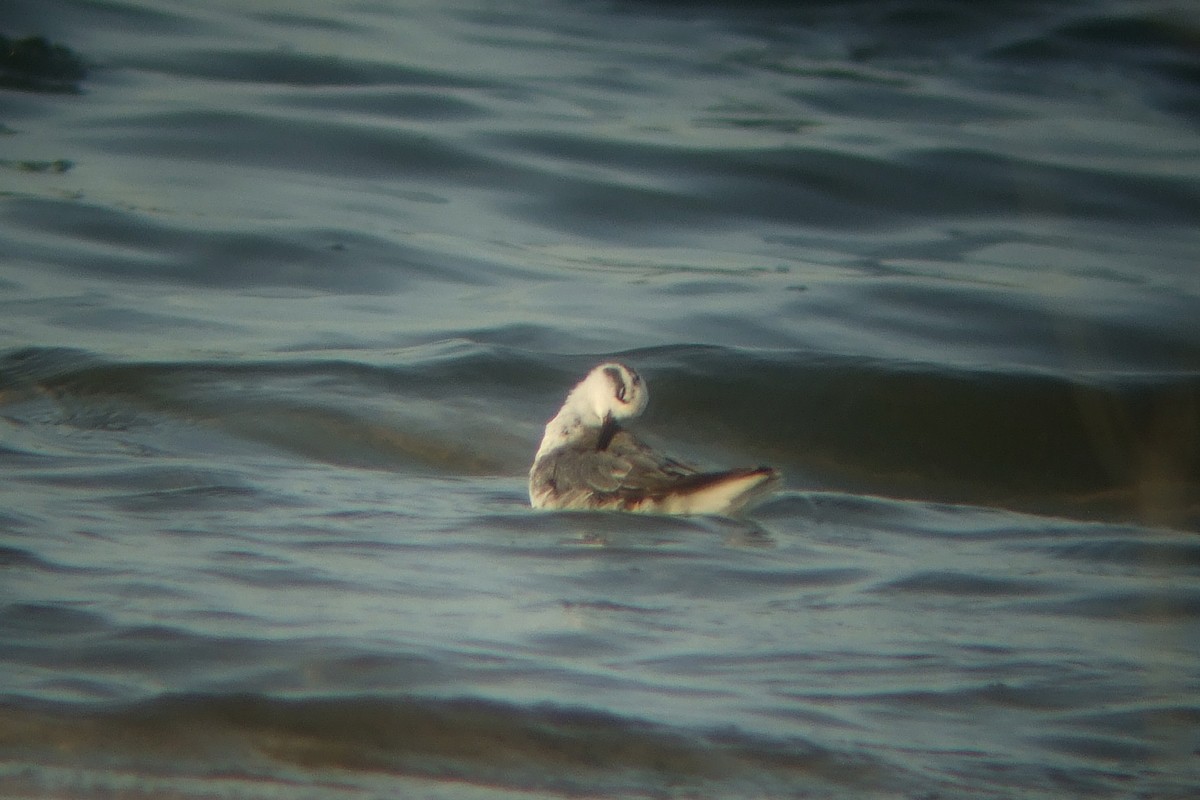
289 289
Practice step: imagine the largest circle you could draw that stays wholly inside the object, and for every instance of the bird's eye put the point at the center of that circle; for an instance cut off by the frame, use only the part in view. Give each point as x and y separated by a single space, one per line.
618 383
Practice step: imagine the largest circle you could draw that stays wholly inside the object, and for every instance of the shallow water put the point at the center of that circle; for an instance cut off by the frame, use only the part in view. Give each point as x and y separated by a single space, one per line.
289 289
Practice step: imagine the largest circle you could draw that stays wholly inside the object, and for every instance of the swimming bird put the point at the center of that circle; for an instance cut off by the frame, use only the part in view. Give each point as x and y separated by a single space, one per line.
588 461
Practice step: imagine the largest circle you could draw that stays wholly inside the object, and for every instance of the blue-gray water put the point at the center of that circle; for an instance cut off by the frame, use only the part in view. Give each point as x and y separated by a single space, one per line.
288 289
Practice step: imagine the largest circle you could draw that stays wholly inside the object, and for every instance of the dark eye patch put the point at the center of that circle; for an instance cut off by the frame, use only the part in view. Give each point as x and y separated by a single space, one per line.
614 375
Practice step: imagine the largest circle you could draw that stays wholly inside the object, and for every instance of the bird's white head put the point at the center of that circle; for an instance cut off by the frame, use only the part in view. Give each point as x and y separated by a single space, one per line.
610 391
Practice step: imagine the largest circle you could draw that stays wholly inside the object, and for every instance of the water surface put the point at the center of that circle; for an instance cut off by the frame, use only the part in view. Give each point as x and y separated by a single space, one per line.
288 291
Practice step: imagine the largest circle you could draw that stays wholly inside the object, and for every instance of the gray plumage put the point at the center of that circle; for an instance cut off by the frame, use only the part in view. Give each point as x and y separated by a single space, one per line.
587 461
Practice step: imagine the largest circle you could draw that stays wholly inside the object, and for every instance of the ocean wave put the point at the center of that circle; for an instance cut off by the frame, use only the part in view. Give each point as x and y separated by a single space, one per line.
1121 444
288 297
541 747
828 188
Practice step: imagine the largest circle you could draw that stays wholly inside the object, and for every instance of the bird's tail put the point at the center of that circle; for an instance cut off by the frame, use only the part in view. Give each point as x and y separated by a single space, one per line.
723 493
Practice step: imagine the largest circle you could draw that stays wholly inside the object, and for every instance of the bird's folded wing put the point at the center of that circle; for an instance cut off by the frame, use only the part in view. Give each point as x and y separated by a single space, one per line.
625 465
575 469
648 470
